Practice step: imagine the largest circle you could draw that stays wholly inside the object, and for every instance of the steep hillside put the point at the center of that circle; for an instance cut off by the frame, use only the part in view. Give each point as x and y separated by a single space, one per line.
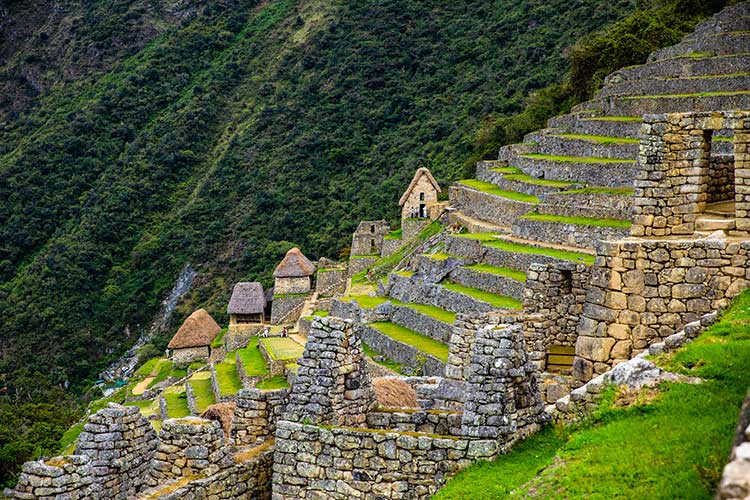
224 132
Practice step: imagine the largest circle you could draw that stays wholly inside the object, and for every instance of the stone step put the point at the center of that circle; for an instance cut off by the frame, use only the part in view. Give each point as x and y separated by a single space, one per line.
584 145
731 42
493 279
487 205
587 170
413 351
680 85
708 224
675 103
577 232
512 252
682 67
591 201
513 179
588 123
733 18
474 225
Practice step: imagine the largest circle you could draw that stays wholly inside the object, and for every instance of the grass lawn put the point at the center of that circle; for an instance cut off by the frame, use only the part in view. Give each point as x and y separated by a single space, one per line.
615 119
148 407
488 187
619 191
527 179
440 256
491 240
600 139
417 340
495 300
68 439
396 234
283 348
202 390
501 271
147 369
226 375
320 313
366 301
252 359
506 170
372 353
580 221
176 402
431 311
405 274
575 159
671 444
270 384
218 341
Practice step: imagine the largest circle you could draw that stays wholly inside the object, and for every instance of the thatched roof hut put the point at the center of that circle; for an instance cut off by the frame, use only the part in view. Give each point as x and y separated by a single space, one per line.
418 175
197 331
247 298
294 265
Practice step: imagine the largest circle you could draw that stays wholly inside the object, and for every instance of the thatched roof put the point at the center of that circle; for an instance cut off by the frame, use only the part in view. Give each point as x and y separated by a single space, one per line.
419 173
197 331
392 392
294 265
222 413
247 298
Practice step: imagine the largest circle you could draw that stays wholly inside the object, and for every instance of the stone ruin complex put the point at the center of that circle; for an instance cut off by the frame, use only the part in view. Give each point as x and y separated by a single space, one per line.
547 299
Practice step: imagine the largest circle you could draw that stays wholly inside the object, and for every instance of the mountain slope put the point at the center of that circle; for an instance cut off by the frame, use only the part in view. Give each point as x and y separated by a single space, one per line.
228 132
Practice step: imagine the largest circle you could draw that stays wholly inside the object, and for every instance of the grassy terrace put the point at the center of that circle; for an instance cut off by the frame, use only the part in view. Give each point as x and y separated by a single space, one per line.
226 375
273 383
632 119
677 437
500 271
431 311
490 240
697 94
282 348
575 159
440 256
176 399
202 391
579 221
219 339
489 188
600 139
493 299
417 340
387 363
506 170
252 359
527 179
366 301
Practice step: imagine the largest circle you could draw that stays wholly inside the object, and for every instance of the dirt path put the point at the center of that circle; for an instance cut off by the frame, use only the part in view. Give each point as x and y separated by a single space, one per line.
141 386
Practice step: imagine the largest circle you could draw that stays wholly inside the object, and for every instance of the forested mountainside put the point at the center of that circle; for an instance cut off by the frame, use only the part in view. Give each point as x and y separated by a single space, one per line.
137 136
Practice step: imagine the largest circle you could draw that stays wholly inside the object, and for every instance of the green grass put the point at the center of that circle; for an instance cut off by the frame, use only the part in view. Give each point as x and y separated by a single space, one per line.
381 360
396 234
581 221
167 369
202 391
600 139
697 94
673 446
501 271
252 359
369 256
273 383
617 191
488 187
405 274
320 313
439 256
282 348
488 239
226 375
506 170
493 299
218 341
177 406
705 77
417 340
366 301
148 407
147 368
632 119
68 439
575 159
527 179
195 365
431 311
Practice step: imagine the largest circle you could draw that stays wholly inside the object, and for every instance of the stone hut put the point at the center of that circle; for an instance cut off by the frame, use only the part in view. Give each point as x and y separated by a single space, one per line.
421 193
192 342
368 238
294 274
247 305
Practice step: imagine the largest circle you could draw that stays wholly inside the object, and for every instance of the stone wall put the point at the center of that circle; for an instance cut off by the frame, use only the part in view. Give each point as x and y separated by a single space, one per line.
284 286
409 357
359 264
642 291
673 182
557 292
368 238
494 283
735 479
67 477
331 281
422 323
235 338
410 228
187 355
256 415
577 235
443 422
720 178
320 463
390 247
332 383
286 308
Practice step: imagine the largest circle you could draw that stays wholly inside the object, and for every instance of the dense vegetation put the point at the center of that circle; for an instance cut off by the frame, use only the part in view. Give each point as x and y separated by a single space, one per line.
138 138
637 445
